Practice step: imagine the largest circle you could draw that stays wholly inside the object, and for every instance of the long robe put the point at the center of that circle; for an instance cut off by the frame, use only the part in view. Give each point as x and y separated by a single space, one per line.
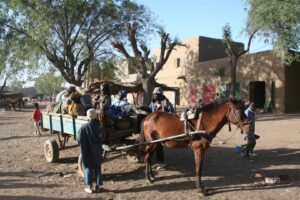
89 136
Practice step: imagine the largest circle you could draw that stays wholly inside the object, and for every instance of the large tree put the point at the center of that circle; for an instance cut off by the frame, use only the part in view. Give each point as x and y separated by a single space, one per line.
234 54
278 21
71 34
48 83
146 67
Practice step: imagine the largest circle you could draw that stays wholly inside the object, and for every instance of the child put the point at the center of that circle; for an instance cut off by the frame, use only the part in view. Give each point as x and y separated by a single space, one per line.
36 117
247 149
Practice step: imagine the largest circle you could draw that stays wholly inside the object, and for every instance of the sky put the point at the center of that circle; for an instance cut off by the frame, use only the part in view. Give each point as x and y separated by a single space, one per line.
188 18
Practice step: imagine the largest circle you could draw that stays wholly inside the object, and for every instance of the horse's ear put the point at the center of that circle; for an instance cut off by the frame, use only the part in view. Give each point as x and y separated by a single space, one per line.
231 99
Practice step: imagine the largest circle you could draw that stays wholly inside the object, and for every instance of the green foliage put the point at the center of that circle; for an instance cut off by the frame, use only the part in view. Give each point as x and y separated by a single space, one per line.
278 21
48 83
104 71
16 86
71 34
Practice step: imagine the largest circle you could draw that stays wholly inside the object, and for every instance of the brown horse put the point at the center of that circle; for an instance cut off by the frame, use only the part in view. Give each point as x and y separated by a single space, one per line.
14 99
213 117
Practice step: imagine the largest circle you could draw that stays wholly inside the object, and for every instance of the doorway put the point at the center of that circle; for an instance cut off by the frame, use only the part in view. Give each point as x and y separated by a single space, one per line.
257 93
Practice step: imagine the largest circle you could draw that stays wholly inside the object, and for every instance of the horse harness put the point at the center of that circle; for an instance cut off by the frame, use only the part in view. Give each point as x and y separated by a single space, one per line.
206 136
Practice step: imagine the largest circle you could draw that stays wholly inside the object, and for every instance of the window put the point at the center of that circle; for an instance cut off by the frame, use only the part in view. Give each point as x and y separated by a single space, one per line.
177 62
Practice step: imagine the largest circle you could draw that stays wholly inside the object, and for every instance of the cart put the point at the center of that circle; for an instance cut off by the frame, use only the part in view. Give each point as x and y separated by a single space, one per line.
65 127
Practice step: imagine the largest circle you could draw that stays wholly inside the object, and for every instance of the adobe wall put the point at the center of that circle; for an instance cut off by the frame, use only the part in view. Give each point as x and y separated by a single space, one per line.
262 66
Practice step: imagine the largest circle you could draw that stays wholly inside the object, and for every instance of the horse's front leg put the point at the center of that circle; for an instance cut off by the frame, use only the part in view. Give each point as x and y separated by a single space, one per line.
199 156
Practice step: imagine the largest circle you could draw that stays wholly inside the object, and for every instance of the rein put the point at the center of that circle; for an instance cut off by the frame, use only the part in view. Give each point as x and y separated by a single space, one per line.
238 121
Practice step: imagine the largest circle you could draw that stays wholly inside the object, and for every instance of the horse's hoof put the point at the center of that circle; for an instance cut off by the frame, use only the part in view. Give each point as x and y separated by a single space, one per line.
203 192
149 181
152 178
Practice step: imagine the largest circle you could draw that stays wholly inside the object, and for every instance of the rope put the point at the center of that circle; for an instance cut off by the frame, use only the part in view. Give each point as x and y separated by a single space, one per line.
225 140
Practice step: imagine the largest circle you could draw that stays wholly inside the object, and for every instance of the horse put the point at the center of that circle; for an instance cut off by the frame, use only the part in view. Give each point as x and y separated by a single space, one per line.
211 119
16 101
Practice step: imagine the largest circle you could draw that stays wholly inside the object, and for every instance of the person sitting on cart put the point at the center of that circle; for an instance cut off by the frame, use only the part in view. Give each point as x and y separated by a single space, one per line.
104 104
90 137
121 104
76 109
159 102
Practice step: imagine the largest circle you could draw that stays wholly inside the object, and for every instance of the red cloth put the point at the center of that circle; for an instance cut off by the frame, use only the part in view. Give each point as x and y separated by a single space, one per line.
36 115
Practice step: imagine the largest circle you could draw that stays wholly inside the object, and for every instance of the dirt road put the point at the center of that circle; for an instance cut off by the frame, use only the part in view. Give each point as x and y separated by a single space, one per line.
25 174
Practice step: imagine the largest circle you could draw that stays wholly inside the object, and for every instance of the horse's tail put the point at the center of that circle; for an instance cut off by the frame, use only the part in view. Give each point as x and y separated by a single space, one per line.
142 137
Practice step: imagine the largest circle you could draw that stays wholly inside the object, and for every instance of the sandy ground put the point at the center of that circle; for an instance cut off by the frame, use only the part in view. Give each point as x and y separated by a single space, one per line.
25 174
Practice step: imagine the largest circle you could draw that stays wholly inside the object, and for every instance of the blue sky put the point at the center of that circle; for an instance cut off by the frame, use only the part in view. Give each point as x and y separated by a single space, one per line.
188 18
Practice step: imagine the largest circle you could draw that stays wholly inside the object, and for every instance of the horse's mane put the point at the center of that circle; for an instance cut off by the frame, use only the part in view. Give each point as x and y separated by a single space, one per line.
217 103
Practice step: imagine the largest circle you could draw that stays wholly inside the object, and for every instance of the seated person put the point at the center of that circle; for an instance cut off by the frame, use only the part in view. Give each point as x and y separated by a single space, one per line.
86 101
120 107
76 109
122 102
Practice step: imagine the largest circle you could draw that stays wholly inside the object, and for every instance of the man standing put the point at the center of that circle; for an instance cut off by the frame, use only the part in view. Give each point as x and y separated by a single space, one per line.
160 103
89 137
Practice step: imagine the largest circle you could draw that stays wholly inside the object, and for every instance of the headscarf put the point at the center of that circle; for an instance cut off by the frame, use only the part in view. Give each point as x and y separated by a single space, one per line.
157 90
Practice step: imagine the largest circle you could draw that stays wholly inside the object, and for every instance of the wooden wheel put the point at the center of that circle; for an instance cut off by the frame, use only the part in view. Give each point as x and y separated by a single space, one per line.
80 165
51 150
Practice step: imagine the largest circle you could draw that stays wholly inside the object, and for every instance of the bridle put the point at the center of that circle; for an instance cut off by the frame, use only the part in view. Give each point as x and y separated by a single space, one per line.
238 122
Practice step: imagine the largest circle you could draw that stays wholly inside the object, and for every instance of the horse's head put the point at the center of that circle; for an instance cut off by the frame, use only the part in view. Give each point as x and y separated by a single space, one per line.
237 116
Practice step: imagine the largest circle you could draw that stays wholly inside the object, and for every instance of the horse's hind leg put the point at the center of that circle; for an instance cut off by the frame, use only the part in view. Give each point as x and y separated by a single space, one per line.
148 171
151 172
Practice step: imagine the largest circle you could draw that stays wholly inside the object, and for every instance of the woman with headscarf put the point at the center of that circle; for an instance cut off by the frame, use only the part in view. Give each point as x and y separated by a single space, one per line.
89 137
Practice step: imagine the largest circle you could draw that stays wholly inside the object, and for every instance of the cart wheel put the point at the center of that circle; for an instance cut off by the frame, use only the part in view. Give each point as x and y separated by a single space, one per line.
80 166
51 150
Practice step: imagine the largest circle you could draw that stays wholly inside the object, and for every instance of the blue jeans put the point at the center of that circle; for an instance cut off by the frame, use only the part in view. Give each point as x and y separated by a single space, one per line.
88 176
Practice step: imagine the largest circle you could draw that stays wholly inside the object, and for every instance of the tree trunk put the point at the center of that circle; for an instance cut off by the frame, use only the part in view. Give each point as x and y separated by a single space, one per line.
4 84
148 87
233 79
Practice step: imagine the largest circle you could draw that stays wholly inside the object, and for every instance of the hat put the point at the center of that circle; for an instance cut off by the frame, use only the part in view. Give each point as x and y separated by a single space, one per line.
71 89
75 96
122 94
91 114
157 90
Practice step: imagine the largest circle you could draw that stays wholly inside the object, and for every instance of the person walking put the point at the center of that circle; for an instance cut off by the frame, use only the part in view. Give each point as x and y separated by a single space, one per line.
36 117
247 149
89 137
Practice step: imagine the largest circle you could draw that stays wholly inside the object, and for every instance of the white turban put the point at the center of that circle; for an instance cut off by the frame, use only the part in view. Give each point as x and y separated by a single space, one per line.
157 90
91 114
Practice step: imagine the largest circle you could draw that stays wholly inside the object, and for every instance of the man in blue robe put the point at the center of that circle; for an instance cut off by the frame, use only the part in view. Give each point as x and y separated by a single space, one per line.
89 137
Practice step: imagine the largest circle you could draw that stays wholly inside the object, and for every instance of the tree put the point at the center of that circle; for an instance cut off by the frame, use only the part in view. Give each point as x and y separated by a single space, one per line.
234 54
16 86
71 34
48 83
146 67
278 21
104 71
